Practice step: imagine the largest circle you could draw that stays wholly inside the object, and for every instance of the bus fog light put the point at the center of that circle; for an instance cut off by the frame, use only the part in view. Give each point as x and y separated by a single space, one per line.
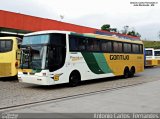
56 77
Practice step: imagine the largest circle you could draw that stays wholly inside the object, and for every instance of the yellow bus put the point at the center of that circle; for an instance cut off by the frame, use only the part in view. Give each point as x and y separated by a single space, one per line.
9 56
55 57
157 56
150 57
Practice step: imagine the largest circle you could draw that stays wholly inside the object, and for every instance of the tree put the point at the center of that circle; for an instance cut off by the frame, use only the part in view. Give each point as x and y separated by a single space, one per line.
106 27
113 30
133 33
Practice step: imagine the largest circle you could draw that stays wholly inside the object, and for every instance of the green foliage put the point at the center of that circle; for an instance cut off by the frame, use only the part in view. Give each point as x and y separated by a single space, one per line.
114 29
152 44
133 33
106 27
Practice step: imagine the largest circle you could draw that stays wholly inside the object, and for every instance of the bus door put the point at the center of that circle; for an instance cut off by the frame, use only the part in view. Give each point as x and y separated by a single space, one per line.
56 51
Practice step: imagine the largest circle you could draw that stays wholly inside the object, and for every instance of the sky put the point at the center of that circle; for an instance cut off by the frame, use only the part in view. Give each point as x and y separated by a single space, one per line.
94 13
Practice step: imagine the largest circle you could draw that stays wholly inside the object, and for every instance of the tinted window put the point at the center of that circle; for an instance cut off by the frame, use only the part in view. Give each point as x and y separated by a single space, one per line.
92 44
127 48
135 48
58 39
73 43
141 48
77 43
106 46
5 45
117 47
80 43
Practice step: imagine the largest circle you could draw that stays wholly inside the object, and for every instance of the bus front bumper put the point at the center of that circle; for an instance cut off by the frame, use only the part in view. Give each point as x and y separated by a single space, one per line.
38 80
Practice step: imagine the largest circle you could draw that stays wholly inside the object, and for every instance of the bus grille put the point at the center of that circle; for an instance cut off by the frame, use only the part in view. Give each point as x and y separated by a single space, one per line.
5 69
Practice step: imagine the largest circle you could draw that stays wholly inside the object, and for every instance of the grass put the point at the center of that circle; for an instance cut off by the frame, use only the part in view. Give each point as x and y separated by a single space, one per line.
152 44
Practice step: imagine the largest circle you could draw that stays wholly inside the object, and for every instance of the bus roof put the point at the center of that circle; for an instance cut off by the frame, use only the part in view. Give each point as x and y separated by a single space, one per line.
114 37
157 50
149 48
8 37
84 34
47 32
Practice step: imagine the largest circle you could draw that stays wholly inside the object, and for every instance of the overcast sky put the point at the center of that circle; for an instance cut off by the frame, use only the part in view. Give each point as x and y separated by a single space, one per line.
94 13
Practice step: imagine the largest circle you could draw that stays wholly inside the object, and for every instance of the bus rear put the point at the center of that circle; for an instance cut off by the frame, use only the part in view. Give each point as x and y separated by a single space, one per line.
8 61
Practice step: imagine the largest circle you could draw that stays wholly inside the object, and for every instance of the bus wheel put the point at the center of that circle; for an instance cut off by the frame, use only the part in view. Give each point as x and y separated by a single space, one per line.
74 78
126 72
132 72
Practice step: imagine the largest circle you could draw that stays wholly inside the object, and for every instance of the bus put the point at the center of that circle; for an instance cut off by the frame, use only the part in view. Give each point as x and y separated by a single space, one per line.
9 53
157 56
56 57
150 57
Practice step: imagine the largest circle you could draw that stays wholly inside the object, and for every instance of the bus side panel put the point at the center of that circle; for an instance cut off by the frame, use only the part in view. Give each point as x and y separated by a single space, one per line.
118 62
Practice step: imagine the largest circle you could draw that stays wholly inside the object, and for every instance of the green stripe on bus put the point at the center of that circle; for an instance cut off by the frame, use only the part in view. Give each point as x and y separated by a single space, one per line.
92 63
102 63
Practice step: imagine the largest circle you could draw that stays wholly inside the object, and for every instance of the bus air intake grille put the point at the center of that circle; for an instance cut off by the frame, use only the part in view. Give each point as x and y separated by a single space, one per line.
5 69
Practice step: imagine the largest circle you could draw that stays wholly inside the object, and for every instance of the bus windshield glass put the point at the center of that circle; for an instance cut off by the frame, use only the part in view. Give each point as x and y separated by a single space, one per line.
149 53
36 39
33 57
157 53
6 45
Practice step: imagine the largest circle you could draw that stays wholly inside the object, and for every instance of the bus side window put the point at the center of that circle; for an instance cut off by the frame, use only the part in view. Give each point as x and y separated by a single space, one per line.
81 44
89 44
127 48
73 43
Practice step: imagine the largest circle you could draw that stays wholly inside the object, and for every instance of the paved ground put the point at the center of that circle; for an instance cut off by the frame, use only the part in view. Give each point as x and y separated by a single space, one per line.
134 99
13 93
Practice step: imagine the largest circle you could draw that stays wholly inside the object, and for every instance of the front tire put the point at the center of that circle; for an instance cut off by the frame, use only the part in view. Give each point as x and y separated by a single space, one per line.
74 78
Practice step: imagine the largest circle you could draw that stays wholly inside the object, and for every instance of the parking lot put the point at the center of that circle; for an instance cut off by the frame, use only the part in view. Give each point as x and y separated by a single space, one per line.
14 94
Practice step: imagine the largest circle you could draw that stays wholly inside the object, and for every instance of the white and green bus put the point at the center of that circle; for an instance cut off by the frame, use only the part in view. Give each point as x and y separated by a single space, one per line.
56 57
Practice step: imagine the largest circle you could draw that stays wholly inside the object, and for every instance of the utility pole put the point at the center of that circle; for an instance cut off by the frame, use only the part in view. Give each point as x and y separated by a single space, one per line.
125 29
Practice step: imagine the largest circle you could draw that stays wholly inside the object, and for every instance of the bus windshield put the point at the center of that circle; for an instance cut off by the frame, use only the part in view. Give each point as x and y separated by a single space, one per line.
157 53
6 45
33 57
37 39
149 53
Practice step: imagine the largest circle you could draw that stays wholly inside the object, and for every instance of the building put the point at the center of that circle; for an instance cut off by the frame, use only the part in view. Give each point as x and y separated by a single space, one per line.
16 24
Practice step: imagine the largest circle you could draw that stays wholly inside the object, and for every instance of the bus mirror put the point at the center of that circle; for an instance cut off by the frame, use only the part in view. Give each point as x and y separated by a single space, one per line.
18 54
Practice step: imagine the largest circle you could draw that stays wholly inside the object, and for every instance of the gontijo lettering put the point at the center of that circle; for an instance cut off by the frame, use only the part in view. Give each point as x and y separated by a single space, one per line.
119 57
